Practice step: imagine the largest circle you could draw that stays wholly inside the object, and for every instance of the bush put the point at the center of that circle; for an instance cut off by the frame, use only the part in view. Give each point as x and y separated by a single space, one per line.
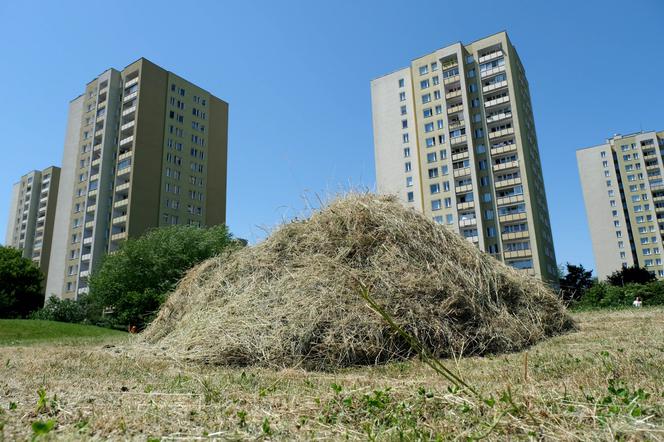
63 310
631 275
20 284
134 281
607 295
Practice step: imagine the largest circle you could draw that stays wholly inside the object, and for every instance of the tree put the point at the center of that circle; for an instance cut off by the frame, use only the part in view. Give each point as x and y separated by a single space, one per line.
631 275
63 310
20 284
575 282
134 281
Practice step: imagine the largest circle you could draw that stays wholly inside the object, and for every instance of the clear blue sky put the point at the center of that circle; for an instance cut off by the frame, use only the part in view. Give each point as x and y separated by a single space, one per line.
296 75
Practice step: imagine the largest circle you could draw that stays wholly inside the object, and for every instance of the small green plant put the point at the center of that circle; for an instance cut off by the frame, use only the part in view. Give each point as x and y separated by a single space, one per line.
41 428
267 430
242 416
13 406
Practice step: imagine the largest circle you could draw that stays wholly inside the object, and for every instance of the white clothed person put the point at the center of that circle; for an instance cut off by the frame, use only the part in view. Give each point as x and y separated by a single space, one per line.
637 303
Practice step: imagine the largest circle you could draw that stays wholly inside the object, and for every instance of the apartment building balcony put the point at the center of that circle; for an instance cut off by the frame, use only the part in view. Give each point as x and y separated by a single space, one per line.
130 97
94 177
658 198
87 240
453 94
129 111
123 171
460 156
517 254
514 235
463 189
127 126
473 239
652 166
507 165
83 290
509 200
454 109
119 219
499 117
119 236
497 101
96 162
86 257
121 203
461 172
467 222
122 187
89 224
456 124
92 193
490 56
458 140
84 274
506 183
131 82
512 217
501 133
126 140
494 71
452 79
466 205
99 133
126 155
91 208
494 86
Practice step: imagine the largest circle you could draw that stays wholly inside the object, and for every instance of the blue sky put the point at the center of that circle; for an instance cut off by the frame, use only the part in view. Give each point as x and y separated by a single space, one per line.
297 73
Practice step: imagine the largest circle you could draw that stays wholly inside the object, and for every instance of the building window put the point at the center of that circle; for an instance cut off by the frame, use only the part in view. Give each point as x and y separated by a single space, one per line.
402 82
424 70
436 205
409 181
408 166
406 152
402 96
403 110
411 197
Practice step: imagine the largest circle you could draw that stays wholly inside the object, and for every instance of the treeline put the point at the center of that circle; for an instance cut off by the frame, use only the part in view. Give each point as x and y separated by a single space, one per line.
580 290
130 285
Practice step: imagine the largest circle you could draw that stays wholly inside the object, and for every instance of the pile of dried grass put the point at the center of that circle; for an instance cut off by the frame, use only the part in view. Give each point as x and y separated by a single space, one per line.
294 299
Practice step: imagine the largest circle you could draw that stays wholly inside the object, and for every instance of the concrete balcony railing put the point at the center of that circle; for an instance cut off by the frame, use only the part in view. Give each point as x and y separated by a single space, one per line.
512 217
121 203
126 140
453 94
454 109
89 224
124 171
458 140
467 205
456 124
509 200
468 222
119 219
86 257
507 165
460 156
490 56
125 155
131 82
128 111
461 172
126 126
514 235
503 149
473 239
91 208
498 117
507 183
122 187
501 133
494 71
450 80
87 240
463 189
517 254
130 97
119 236
494 86
497 101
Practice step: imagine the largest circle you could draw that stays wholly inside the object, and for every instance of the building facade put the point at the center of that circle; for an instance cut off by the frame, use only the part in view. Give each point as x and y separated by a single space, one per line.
32 215
623 190
455 138
143 148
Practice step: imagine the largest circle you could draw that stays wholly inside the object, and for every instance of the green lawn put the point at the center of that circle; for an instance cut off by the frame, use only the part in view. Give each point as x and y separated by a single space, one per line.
25 332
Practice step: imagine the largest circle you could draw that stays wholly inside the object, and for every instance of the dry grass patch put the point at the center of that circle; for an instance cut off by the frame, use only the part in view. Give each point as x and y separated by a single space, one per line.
602 382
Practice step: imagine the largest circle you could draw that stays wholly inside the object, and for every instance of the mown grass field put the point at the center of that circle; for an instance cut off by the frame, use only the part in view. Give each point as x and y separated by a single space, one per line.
25 332
604 382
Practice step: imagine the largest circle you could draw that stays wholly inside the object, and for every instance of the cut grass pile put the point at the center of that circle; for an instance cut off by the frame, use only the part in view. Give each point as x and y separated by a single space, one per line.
295 300
23 331
603 382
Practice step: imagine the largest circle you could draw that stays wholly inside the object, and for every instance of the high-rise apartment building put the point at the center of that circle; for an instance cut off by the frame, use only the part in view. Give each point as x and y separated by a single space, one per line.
623 188
143 148
32 213
455 138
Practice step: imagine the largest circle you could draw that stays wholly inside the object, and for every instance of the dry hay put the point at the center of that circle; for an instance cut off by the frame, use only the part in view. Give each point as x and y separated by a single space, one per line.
294 299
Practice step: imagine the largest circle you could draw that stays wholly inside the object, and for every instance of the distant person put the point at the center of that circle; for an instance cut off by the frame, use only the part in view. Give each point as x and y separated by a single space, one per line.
637 302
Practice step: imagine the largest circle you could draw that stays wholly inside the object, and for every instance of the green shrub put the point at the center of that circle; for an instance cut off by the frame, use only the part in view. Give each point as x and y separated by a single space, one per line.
133 281
20 284
606 295
62 310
